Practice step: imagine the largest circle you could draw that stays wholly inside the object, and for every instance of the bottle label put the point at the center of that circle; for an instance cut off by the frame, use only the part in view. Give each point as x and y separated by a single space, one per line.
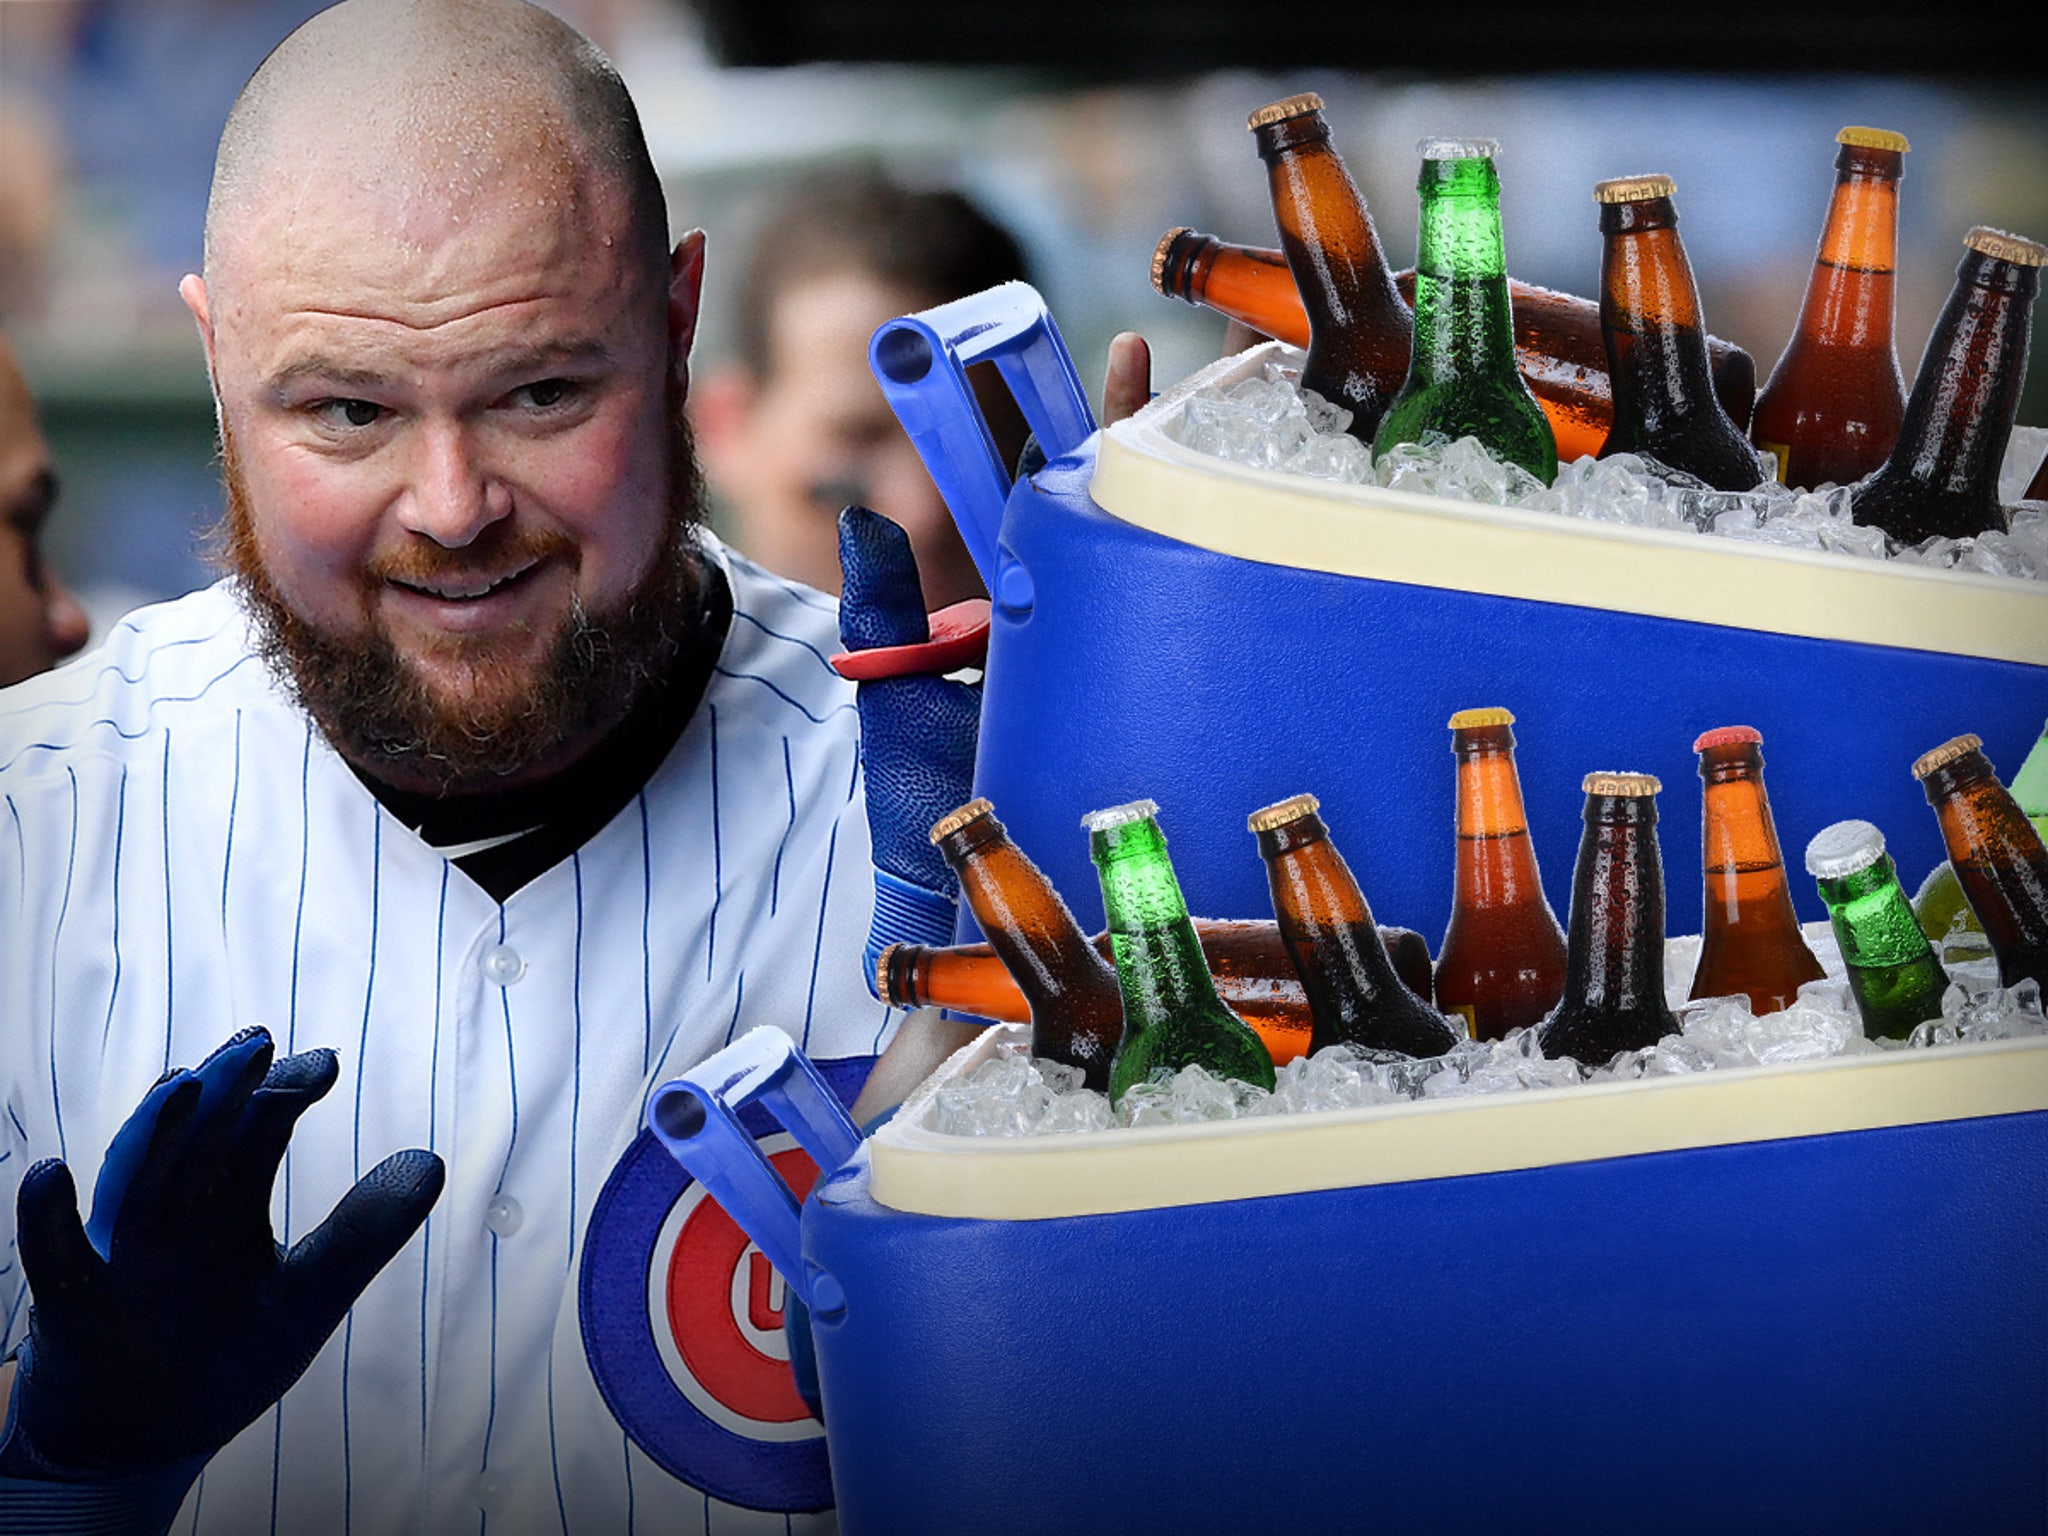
1779 453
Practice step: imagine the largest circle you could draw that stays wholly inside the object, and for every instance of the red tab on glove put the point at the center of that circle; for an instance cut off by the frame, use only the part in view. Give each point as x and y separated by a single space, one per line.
959 639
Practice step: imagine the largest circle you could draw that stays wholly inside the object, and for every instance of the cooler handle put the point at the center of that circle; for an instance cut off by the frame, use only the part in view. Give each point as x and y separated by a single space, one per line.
696 1116
1010 326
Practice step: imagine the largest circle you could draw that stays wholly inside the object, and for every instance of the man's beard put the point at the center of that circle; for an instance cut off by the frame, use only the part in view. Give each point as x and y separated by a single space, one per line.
381 714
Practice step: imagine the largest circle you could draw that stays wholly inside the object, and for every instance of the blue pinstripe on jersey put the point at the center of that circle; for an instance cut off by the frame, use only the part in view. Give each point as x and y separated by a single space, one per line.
782 846
113 669
511 1143
56 939
20 855
815 719
646 948
227 853
717 852
170 950
795 640
348 1333
120 831
433 1107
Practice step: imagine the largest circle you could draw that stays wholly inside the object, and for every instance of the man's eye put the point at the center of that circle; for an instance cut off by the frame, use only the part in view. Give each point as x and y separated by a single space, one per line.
353 413
547 393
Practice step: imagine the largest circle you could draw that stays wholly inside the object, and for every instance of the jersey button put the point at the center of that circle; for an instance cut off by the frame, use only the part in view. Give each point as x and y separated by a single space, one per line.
504 1215
503 965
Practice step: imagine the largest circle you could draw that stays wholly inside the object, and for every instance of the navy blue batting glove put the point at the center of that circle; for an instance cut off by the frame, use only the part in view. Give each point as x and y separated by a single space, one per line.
917 724
170 1320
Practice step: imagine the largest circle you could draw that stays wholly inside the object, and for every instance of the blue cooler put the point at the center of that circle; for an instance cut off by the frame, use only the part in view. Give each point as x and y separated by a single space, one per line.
1172 626
1807 1298
1800 1299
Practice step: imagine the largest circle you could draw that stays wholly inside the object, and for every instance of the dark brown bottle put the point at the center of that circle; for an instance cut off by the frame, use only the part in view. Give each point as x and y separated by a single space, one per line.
1502 962
1941 477
1614 966
1354 996
1358 327
1664 401
1750 941
1832 407
1996 853
1558 347
1077 1014
1248 959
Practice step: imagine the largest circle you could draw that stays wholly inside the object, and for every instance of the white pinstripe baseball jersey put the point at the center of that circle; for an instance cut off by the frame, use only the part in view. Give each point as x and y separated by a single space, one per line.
182 854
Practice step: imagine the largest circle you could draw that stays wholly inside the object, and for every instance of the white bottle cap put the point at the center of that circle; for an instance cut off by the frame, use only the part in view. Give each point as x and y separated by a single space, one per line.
1842 849
1119 815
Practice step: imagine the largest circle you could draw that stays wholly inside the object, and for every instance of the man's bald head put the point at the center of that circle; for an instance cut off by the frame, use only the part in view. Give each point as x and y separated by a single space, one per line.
443 94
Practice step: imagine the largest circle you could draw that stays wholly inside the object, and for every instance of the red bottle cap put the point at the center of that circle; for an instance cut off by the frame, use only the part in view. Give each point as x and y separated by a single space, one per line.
1729 736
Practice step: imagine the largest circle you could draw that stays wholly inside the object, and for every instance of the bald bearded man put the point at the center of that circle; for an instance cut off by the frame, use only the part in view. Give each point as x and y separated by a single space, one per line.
490 769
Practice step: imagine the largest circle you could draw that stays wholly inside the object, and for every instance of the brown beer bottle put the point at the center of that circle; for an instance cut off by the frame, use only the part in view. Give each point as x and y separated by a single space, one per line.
1358 327
1557 335
1749 939
1664 402
1614 967
1248 959
1941 477
1997 855
1354 997
1832 407
1077 1014
1502 961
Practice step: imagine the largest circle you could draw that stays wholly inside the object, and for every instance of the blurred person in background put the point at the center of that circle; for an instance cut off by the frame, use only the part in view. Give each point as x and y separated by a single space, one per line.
794 427
40 622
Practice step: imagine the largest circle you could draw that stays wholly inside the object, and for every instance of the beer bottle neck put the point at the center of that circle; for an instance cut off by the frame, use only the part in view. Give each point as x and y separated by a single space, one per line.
1849 299
1327 234
1967 389
1026 922
1496 862
1463 318
1159 960
1614 947
1872 919
1247 283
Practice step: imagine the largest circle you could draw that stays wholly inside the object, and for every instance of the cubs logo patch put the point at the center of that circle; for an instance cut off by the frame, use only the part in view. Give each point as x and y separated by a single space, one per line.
682 1324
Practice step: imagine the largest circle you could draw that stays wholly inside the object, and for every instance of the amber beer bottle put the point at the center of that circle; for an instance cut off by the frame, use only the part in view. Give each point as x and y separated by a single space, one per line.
1355 998
1077 1011
1614 964
1750 941
1941 477
1557 335
1664 402
1358 326
1248 960
1502 961
1996 853
1832 407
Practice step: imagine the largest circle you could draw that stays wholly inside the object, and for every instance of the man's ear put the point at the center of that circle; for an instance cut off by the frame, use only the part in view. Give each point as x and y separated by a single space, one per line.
192 289
685 295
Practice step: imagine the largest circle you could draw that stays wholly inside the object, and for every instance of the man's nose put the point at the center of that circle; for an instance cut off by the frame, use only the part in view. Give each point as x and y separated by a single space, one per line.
453 496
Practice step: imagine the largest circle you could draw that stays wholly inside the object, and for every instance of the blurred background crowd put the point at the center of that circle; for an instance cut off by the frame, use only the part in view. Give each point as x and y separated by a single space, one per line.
1084 153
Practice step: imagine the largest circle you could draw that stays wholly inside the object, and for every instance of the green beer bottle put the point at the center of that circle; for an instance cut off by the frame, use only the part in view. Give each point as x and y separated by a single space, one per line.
1173 1017
1893 972
1462 380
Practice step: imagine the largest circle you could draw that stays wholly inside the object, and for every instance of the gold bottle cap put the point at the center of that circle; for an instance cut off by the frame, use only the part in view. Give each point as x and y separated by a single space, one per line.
1472 719
1280 111
1159 257
882 971
1945 754
2000 246
1874 138
1843 849
1281 812
953 821
1633 189
1729 736
1623 785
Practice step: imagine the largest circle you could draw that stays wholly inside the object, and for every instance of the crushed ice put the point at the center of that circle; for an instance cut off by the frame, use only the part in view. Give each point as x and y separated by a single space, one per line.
1270 423
1011 1094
